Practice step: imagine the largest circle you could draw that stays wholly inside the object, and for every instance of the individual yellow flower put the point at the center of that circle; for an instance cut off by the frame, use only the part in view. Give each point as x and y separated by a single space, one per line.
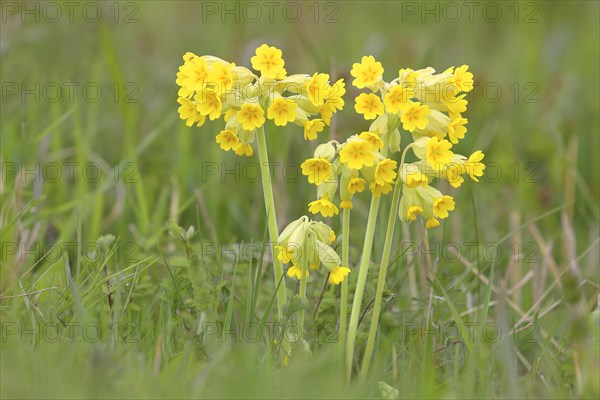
432 223
347 204
455 104
373 139
462 79
357 153
331 237
367 73
369 105
227 139
285 253
196 72
323 206
316 88
412 212
251 116
453 174
356 185
457 129
378 190
438 153
296 272
188 111
282 111
334 101
209 104
337 274
313 266
473 166
414 115
221 77
317 169
243 149
385 172
268 60
397 97
312 127
416 179
442 205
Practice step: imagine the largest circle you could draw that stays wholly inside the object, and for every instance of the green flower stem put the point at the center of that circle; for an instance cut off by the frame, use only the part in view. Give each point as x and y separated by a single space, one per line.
345 262
271 216
303 283
389 236
361 282
363 272
385 258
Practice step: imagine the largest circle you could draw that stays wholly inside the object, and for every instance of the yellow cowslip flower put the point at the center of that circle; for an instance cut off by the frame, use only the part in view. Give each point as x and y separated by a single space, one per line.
357 153
317 169
188 112
347 204
317 88
414 115
312 127
196 73
416 179
209 104
373 139
397 97
438 153
227 139
356 185
285 253
369 105
457 129
296 272
331 237
251 116
268 60
337 274
378 190
313 266
220 76
432 223
243 149
412 212
442 205
462 80
333 101
385 172
473 166
367 73
282 111
323 206
453 174
455 104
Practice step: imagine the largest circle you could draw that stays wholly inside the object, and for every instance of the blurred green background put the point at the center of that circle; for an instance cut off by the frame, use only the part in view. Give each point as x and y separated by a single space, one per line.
534 112
89 85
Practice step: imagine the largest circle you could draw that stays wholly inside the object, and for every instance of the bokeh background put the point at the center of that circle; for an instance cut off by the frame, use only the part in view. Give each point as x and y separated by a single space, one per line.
94 83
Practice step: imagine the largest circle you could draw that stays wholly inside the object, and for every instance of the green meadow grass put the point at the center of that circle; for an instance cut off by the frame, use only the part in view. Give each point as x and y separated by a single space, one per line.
106 292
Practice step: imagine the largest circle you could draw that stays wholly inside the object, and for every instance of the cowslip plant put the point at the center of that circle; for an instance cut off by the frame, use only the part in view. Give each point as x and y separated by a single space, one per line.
306 244
213 88
429 107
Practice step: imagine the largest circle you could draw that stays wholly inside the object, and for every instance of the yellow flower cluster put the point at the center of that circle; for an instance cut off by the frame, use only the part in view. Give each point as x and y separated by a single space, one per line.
309 241
427 105
211 87
350 167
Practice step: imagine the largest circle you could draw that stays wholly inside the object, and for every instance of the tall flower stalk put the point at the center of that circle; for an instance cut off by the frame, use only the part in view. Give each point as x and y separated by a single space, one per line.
271 215
344 290
210 87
